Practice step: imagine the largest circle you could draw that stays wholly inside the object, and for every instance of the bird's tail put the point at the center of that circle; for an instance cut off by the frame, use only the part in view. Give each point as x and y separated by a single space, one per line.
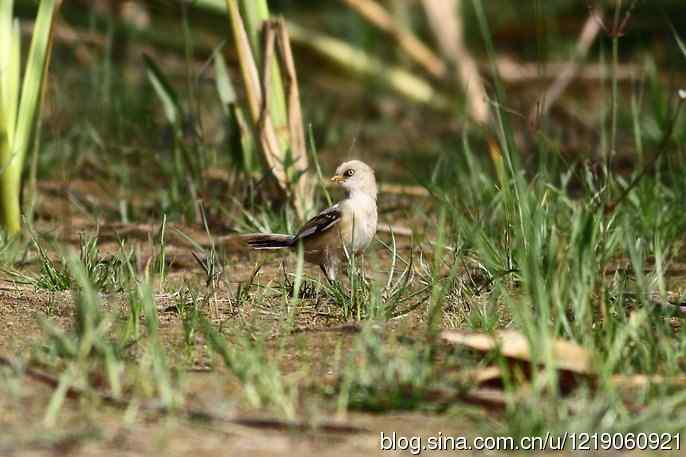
268 241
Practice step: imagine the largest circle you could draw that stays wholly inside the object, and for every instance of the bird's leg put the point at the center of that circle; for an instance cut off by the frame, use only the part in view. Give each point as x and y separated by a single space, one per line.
326 273
363 270
355 266
330 273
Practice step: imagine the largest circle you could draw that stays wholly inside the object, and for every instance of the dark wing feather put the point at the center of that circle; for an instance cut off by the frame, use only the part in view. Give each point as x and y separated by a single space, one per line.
320 223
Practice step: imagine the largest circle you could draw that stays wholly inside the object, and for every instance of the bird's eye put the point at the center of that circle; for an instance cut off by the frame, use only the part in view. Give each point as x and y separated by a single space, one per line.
349 172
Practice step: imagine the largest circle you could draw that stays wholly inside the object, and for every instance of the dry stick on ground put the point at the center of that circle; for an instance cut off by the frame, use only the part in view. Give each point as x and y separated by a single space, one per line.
397 230
188 413
445 18
415 49
511 71
588 35
343 328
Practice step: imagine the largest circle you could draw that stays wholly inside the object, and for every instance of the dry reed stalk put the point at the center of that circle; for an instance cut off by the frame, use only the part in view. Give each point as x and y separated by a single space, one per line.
587 37
291 173
408 42
445 19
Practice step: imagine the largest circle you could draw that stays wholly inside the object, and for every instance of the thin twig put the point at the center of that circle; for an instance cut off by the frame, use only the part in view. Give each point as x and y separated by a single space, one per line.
398 230
588 34
446 20
408 42
344 328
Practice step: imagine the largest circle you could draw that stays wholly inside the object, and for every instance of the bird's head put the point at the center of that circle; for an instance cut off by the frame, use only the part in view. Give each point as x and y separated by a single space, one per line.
356 176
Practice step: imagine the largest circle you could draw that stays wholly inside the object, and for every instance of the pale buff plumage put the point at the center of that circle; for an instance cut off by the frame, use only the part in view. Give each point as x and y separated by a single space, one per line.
342 230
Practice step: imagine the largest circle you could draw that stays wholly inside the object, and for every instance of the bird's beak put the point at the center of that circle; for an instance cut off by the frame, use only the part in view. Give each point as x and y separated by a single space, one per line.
337 179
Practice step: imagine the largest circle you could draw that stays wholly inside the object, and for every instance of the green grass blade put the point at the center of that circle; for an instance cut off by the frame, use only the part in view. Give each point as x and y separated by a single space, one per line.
58 397
254 13
10 170
164 90
10 52
6 129
225 89
5 32
13 82
241 141
679 41
5 47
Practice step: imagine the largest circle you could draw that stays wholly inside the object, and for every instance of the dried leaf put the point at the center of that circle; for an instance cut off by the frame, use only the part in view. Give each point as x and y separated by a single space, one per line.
512 344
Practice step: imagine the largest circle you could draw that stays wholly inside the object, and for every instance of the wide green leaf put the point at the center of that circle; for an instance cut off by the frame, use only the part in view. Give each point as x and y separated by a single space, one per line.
33 78
13 82
9 73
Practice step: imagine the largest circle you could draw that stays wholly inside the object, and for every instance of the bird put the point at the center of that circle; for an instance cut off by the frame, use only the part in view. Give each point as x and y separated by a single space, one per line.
338 232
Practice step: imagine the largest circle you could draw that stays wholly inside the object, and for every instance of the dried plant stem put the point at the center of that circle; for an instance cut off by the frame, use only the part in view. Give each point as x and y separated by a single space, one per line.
587 37
413 47
290 175
360 63
305 186
445 18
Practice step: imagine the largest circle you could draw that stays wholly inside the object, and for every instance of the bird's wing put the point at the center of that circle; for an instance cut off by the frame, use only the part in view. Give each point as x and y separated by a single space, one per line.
320 223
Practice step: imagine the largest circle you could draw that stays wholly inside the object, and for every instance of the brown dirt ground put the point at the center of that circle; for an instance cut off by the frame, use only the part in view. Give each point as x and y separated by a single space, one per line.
88 427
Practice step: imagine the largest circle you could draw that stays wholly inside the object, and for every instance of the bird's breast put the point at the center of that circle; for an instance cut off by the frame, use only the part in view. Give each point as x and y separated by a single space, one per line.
364 221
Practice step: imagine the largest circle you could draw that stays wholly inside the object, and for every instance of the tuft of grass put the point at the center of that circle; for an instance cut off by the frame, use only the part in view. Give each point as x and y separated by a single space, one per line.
53 276
107 275
91 356
114 274
360 297
263 383
88 342
188 308
182 143
11 249
379 378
